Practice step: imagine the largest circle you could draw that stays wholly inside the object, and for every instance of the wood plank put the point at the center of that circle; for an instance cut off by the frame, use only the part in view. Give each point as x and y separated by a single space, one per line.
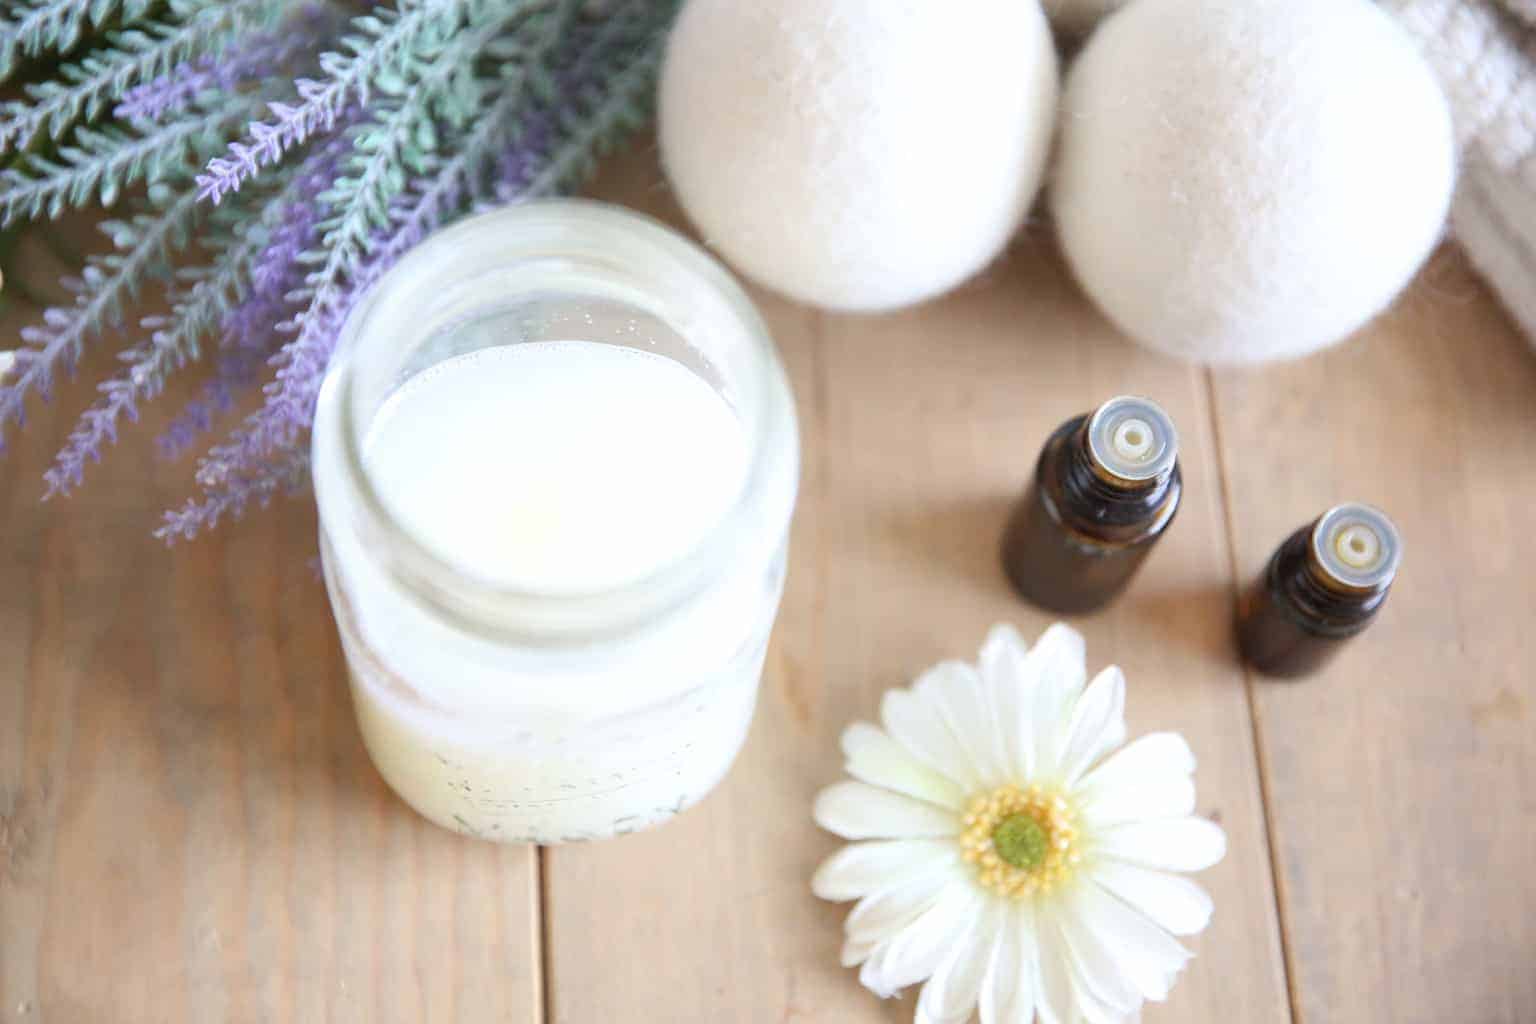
919 430
1403 779
190 829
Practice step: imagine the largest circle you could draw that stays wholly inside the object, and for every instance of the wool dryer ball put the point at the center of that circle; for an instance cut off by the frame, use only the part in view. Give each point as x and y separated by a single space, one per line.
1077 17
857 154
1241 182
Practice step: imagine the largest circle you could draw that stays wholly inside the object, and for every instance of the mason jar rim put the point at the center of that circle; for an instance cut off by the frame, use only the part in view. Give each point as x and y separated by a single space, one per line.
572 230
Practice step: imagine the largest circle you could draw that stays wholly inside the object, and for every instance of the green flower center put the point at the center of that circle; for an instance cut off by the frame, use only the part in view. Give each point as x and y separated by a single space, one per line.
1021 841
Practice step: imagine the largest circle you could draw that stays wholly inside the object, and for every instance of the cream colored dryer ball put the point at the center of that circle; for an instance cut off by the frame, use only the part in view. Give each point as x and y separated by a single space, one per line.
1241 182
857 154
1077 17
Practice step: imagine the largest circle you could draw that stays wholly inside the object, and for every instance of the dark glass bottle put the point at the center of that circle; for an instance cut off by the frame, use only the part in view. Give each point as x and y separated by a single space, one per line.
1106 486
1323 585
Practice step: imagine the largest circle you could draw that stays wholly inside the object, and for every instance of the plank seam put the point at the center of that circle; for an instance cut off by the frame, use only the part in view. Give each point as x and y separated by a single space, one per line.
544 983
1261 757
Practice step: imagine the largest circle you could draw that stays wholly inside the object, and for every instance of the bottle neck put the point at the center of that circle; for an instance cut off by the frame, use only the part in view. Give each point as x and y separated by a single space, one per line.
1320 599
1091 498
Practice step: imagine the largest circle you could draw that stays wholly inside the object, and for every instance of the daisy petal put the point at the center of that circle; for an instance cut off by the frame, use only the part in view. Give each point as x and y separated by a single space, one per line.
1053 978
1099 980
1173 901
921 946
859 869
874 757
956 690
1098 724
917 725
1002 656
1157 753
856 951
1055 670
1147 956
857 810
1174 844
872 974
1150 799
950 995
882 915
1020 1009
1090 1009
999 983
1002 667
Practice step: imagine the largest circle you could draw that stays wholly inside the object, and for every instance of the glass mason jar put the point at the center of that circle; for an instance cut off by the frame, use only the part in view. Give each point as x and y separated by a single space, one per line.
520 714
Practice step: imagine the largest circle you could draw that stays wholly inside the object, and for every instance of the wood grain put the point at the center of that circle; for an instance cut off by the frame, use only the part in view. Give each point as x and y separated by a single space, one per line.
1403 779
919 431
190 829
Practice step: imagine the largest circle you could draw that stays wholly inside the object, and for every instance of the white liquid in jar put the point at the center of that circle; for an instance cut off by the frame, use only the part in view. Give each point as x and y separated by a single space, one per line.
557 467
561 467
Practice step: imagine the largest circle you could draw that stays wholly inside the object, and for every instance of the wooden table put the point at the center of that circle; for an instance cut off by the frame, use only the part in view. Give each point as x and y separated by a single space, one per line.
191 831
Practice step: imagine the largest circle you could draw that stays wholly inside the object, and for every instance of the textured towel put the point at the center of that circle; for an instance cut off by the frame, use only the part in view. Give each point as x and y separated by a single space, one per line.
1485 53
1495 220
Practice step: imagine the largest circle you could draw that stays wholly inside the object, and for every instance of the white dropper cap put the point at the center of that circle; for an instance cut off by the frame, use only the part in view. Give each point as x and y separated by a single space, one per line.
1133 439
1357 545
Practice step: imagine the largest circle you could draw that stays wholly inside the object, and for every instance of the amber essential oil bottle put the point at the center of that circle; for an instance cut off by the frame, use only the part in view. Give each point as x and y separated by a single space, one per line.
1106 486
1323 585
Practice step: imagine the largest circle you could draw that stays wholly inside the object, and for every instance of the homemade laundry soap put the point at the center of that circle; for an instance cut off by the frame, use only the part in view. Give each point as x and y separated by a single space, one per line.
858 154
555 459
1242 182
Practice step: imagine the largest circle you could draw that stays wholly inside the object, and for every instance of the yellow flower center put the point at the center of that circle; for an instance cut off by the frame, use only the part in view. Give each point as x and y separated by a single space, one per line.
1022 841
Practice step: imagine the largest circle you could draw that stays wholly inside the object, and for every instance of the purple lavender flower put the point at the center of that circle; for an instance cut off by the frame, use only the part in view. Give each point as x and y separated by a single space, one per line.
261 56
520 146
100 291
390 34
249 328
527 161
175 339
288 474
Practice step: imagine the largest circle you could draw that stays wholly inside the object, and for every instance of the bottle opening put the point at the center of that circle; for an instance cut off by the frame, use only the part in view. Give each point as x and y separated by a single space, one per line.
1357 545
1133 439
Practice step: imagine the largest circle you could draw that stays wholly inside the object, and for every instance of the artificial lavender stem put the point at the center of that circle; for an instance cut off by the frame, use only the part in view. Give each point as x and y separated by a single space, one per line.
289 408
261 56
284 474
249 329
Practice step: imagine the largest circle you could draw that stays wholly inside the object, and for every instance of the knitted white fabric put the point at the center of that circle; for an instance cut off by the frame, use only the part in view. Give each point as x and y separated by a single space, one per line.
1486 56
1495 220
859 155
1241 182
1487 63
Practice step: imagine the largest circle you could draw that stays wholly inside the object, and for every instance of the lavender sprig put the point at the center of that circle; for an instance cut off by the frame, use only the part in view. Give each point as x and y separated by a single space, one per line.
301 362
457 102
101 162
287 473
259 57
173 343
136 55
610 106
144 246
55 26
176 339
249 329
385 40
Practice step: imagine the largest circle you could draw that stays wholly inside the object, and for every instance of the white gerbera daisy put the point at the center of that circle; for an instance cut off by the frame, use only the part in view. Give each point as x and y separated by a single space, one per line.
1008 852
